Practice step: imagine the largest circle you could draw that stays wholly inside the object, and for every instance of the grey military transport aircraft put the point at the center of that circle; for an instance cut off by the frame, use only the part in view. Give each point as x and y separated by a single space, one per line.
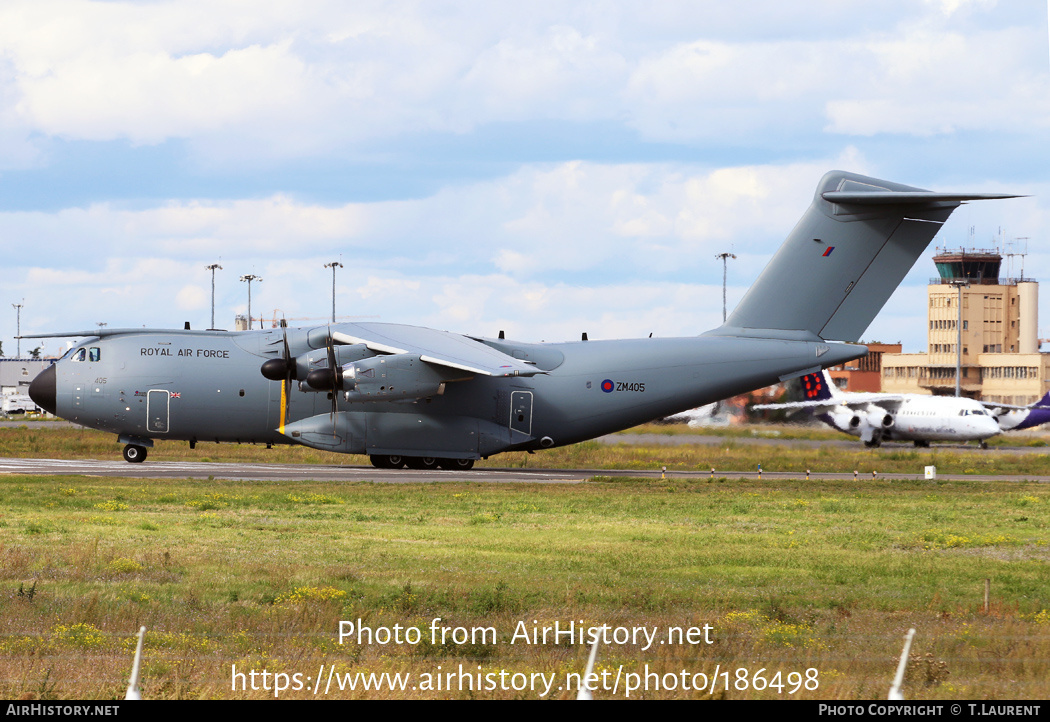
423 398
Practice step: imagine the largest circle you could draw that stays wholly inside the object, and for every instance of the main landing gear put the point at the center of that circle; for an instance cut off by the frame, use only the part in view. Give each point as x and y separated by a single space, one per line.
134 454
420 462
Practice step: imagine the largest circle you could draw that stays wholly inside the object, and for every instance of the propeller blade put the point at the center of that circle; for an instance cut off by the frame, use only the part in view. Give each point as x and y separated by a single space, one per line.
337 378
292 371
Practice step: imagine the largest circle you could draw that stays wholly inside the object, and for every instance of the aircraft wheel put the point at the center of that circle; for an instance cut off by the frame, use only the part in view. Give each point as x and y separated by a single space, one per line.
395 461
421 462
984 444
457 464
379 462
922 444
134 454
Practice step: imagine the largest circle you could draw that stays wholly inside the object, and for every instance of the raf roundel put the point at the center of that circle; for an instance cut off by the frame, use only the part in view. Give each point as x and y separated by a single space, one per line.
608 386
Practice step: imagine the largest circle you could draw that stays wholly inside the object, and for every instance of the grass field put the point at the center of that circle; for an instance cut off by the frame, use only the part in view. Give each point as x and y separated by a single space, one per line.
789 576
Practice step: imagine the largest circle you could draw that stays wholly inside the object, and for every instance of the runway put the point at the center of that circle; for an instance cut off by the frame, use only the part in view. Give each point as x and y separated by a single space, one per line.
338 473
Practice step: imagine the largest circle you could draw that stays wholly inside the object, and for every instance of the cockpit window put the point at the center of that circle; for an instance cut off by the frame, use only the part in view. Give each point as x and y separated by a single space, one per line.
79 355
94 354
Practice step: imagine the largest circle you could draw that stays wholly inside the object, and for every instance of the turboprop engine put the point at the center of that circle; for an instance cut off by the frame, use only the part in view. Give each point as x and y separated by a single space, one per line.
388 378
312 364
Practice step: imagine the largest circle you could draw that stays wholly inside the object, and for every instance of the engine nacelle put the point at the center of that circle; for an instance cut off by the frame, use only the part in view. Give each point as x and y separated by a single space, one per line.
312 366
844 418
878 417
389 378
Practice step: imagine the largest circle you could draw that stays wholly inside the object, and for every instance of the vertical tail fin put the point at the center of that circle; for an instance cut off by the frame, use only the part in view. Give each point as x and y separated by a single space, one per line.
844 259
1037 415
818 387
1041 403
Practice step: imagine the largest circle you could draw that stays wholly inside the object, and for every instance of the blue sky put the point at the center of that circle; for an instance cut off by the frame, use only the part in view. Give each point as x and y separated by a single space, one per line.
477 166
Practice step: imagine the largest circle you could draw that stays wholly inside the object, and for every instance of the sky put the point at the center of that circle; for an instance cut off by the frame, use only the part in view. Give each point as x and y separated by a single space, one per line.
544 168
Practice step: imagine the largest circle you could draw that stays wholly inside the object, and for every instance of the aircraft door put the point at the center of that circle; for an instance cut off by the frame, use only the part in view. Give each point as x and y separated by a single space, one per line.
521 411
157 411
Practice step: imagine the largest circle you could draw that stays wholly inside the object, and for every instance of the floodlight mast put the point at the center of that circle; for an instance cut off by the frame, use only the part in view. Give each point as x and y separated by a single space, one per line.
725 259
213 268
333 265
249 278
18 327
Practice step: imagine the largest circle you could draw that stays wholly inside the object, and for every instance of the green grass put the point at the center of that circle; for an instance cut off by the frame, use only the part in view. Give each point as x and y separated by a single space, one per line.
731 454
790 575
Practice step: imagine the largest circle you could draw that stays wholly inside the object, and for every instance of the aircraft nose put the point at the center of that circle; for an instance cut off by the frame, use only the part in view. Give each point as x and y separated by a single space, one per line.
43 390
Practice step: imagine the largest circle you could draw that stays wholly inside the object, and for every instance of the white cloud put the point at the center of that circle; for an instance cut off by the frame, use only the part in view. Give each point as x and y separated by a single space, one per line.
929 83
270 81
192 298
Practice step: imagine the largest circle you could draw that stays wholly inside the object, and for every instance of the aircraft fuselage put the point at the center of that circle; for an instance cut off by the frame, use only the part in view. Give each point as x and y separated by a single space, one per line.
207 387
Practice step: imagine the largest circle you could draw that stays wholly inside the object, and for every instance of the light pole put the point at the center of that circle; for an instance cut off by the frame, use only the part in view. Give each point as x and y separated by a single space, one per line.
959 286
725 260
249 278
333 265
213 268
18 326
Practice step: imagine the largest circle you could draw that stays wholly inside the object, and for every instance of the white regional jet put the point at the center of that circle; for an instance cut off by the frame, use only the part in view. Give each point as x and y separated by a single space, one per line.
903 417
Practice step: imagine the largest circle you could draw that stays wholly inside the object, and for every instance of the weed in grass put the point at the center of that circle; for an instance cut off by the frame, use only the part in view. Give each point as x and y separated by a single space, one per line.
407 600
81 635
27 594
497 600
926 670
305 595
45 688
124 566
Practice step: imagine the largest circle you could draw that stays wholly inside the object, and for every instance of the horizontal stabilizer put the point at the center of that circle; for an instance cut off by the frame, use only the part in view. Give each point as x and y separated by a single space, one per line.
923 197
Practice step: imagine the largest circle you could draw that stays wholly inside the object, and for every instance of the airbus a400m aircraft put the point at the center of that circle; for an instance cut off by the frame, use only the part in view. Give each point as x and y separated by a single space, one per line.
425 398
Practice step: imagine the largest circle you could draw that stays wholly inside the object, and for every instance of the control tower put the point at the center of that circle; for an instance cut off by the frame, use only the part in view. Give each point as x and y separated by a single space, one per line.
999 317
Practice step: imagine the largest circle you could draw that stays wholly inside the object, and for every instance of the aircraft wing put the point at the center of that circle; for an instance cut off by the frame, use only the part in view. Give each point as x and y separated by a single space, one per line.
890 402
995 406
441 348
